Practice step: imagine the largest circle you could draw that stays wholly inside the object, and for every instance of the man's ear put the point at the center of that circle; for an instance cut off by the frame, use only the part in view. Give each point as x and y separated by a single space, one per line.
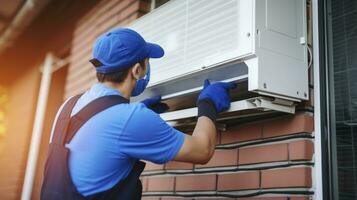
137 71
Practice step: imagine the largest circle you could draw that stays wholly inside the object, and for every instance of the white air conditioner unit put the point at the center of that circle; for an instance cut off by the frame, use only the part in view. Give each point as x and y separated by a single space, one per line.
260 42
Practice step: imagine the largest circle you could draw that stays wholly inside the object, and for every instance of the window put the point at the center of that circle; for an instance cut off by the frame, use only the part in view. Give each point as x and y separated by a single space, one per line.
342 89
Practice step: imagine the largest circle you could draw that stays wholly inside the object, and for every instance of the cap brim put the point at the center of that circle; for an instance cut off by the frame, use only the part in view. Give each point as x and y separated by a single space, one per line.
154 50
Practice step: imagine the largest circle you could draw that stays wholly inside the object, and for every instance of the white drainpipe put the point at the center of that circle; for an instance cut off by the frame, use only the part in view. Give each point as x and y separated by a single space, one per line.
37 127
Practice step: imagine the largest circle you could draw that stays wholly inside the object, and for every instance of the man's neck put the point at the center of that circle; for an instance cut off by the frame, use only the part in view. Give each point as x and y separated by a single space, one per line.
123 88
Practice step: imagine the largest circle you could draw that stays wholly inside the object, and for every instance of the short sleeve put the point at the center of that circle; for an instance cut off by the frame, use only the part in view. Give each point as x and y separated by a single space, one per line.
147 136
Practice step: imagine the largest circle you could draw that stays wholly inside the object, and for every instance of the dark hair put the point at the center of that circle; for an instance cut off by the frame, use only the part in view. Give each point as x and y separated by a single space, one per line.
116 77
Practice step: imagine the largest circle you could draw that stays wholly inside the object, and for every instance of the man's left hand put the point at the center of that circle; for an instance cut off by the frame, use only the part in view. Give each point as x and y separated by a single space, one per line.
155 104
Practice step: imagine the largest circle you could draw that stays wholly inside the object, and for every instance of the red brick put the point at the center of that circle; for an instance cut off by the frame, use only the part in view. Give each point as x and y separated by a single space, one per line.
112 11
299 198
222 158
119 15
129 19
218 138
275 198
150 198
196 182
301 150
178 165
284 178
152 166
261 198
132 8
217 198
144 6
144 182
288 125
106 25
86 21
163 183
239 181
261 154
242 133
264 198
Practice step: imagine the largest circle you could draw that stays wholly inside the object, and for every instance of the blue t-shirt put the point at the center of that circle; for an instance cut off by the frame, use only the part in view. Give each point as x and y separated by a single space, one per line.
106 147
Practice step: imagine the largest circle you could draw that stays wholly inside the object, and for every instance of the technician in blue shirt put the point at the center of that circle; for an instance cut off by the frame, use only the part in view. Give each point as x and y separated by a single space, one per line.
106 147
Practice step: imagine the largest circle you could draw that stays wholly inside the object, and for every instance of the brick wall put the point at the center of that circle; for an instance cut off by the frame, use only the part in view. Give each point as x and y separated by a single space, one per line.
269 159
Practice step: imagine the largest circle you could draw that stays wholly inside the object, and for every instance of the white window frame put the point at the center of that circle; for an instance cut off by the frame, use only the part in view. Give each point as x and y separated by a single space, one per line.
317 176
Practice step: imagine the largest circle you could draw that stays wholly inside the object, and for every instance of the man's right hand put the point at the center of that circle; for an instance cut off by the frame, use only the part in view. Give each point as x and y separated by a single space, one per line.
199 147
218 93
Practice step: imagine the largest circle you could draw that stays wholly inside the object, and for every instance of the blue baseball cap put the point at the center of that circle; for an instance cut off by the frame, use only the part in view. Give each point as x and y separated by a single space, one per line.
121 48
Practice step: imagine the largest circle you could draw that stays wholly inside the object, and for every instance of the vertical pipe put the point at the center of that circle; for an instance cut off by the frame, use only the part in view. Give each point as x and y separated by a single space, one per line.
37 128
153 4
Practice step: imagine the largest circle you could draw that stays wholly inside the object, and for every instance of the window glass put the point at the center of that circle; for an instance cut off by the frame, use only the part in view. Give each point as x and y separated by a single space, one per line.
342 55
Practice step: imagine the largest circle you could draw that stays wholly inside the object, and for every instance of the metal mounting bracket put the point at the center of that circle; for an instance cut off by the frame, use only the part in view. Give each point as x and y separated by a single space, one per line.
256 103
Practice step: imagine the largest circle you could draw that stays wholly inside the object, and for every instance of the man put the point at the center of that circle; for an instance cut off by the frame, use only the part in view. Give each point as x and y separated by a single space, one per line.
107 137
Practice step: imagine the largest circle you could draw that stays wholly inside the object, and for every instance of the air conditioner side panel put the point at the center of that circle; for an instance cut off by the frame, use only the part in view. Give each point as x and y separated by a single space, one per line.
281 69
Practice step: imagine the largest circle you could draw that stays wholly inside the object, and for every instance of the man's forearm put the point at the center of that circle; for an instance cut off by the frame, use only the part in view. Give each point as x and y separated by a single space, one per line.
206 133
199 147
206 128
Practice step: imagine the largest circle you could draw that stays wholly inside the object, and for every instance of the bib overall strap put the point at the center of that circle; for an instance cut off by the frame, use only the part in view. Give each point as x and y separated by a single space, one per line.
63 121
89 111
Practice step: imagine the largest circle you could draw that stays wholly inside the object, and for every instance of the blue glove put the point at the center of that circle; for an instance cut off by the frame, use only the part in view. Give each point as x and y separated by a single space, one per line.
218 93
155 104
